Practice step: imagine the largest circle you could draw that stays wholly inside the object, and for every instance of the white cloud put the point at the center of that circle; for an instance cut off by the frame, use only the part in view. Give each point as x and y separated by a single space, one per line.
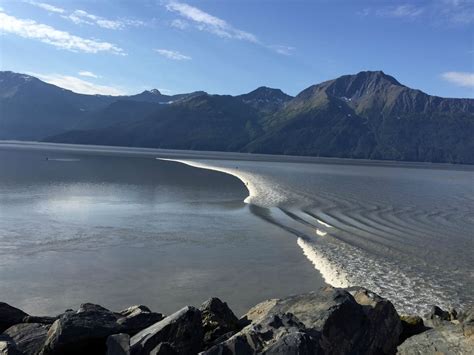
47 7
459 78
61 39
170 54
207 22
204 21
83 17
402 11
181 24
78 85
441 12
284 50
88 74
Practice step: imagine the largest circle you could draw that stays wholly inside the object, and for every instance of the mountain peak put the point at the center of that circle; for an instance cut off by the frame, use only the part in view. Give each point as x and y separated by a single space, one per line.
265 99
155 92
152 92
376 75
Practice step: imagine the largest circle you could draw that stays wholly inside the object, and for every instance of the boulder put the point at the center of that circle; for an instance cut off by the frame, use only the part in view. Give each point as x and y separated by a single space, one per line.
382 333
136 318
164 349
10 316
411 325
348 321
82 332
273 334
28 337
446 339
118 344
8 346
217 320
183 330
41 320
466 319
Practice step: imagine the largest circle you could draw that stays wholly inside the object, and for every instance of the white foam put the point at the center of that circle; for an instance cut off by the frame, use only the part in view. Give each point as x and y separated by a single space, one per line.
260 192
320 232
331 276
324 223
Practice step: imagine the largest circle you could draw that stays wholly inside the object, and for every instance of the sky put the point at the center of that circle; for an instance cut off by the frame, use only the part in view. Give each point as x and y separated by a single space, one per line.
118 47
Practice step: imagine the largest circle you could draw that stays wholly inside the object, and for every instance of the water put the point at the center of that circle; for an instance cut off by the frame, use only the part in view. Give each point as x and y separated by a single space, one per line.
123 228
118 227
405 231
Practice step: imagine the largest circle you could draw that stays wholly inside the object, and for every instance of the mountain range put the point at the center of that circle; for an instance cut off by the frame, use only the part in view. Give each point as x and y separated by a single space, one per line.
368 115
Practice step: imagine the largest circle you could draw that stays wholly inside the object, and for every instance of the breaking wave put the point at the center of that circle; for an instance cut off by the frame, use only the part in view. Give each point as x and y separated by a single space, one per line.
398 247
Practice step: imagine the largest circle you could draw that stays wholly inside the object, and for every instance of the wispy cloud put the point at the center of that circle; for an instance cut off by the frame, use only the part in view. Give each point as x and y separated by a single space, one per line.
47 7
204 21
441 12
80 17
83 17
284 50
178 23
78 85
207 22
407 11
88 74
174 55
459 78
61 39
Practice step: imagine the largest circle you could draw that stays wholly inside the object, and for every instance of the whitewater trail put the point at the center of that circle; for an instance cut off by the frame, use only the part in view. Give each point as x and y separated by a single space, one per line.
346 242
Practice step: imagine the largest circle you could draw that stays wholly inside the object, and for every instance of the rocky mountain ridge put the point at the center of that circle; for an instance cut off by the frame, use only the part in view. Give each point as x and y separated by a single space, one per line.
369 115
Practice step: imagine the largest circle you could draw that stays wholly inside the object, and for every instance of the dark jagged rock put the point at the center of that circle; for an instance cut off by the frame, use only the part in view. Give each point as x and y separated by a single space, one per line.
8 346
28 337
183 330
298 343
81 332
217 320
365 324
118 344
467 321
136 318
10 316
411 325
447 339
164 349
384 328
41 320
273 334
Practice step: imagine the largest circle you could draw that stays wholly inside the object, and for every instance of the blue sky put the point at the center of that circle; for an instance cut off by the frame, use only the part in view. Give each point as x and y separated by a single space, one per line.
232 47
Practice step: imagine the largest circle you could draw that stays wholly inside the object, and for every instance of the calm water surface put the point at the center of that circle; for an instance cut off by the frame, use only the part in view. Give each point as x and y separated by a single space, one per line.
120 230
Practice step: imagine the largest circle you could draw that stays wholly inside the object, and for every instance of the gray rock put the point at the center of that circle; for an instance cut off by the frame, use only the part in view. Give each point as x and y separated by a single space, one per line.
466 318
438 313
411 325
273 334
136 318
164 349
298 343
118 344
217 320
10 316
8 346
382 333
28 337
41 320
446 339
82 332
183 330
358 321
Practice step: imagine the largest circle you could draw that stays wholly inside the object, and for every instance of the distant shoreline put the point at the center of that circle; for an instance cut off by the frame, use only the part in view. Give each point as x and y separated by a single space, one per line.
221 155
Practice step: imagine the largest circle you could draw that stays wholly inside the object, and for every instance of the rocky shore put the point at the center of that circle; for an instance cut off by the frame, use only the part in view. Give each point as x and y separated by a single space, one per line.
328 321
